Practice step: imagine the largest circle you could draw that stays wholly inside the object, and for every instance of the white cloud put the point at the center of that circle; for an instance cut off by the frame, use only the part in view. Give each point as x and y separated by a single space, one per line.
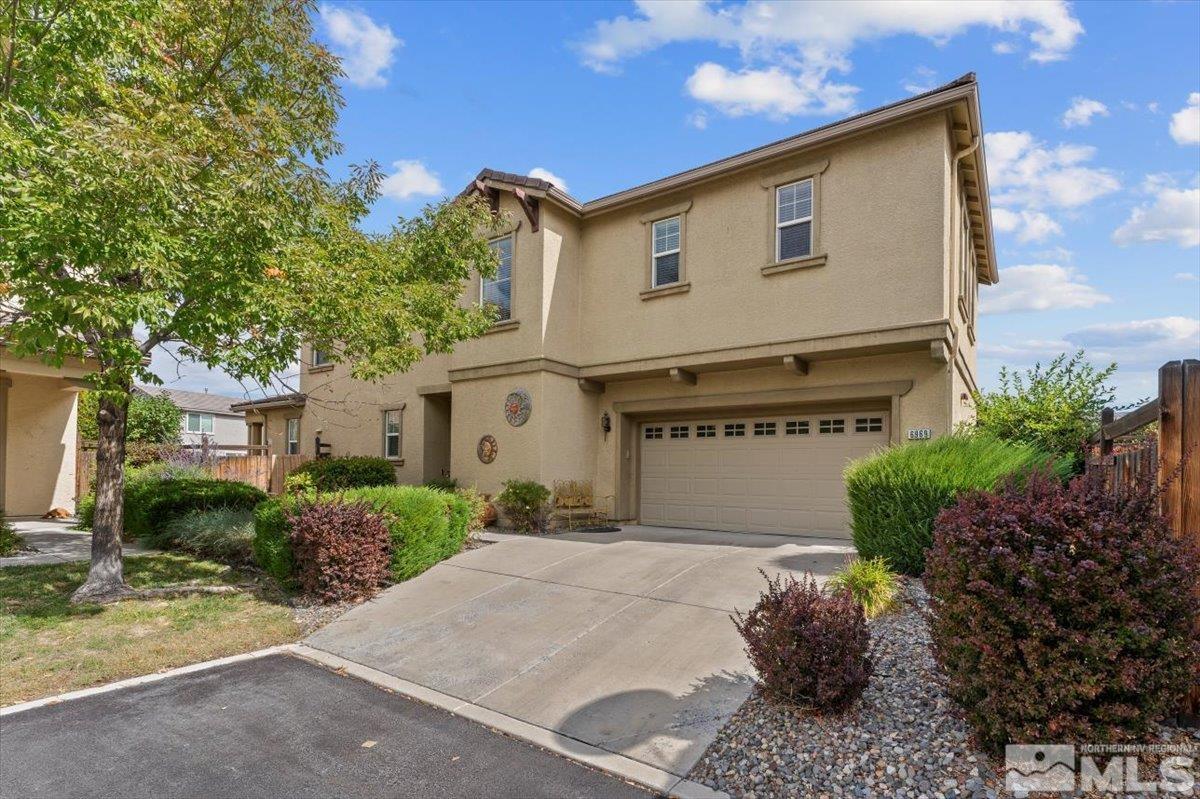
921 79
1144 343
1025 171
698 119
365 47
1040 287
411 179
788 50
1137 347
1004 48
772 92
541 173
1029 226
1174 215
1152 108
1188 277
1185 123
1081 112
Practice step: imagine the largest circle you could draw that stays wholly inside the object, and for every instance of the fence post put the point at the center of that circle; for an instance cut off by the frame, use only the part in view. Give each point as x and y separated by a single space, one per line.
1170 441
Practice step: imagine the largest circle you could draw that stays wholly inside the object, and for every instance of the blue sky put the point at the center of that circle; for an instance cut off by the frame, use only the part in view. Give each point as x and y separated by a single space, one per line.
1092 113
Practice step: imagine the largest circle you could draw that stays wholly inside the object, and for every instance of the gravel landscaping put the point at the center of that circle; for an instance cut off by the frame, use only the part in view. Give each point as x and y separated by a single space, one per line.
902 740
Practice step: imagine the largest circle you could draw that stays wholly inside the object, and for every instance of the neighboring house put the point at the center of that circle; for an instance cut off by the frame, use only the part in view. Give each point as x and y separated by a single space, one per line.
204 417
711 348
38 438
273 422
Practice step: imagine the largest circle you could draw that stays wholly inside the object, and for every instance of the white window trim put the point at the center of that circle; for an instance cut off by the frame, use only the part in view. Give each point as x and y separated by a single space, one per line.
779 226
288 441
655 254
399 434
511 236
199 417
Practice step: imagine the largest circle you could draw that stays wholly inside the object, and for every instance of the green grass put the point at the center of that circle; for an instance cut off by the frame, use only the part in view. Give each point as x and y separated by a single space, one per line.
48 645
872 584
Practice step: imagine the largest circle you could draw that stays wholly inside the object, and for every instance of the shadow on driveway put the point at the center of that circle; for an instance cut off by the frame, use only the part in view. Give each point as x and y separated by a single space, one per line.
273 727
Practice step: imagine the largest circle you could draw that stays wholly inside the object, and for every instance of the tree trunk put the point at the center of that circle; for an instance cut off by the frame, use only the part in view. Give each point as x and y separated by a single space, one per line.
106 578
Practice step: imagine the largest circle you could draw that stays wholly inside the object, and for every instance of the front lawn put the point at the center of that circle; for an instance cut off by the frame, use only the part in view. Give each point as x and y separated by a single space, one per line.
48 645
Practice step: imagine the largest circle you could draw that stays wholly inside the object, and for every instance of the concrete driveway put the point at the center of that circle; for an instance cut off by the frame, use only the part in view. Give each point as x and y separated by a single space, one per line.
620 641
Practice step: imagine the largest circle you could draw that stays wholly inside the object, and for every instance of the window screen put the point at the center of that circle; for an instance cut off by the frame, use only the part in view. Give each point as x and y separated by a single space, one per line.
793 220
496 291
666 251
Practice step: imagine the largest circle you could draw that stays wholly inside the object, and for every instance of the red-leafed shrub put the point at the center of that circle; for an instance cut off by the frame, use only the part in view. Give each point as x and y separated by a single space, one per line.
809 648
1062 613
341 549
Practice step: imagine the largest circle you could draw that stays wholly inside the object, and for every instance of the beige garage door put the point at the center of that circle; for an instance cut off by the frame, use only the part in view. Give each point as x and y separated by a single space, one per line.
772 474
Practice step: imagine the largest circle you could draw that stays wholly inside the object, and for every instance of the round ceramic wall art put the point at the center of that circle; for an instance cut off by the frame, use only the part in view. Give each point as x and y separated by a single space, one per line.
517 407
487 449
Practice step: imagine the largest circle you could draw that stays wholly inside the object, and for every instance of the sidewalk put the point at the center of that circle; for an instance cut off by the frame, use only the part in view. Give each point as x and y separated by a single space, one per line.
56 542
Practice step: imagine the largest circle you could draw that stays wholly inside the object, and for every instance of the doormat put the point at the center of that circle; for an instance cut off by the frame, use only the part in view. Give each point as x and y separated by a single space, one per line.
601 529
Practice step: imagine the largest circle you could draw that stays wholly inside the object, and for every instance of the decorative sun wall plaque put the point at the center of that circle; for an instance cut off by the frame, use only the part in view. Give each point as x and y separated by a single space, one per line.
517 407
487 449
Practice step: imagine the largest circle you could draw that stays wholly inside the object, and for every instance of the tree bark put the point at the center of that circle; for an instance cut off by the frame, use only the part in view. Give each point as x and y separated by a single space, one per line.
106 577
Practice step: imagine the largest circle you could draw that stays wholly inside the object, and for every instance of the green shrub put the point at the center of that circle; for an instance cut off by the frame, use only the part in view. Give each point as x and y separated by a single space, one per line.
10 541
442 484
272 544
479 508
335 474
870 582
150 505
895 495
299 483
224 534
426 526
1055 408
526 504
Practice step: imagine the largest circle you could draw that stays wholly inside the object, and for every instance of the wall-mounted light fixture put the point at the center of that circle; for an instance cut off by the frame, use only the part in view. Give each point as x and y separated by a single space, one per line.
605 423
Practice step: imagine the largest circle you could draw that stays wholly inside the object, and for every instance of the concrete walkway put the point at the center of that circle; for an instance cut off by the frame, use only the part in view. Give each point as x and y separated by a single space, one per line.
620 641
56 542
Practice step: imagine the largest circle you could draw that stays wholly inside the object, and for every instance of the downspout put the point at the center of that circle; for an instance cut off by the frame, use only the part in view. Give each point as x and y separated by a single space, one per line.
960 155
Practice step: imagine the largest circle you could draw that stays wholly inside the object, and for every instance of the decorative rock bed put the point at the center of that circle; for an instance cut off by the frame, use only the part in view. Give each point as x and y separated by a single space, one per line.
903 739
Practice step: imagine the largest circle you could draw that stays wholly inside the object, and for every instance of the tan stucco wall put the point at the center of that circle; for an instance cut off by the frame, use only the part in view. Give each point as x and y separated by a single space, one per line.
40 440
884 226
881 219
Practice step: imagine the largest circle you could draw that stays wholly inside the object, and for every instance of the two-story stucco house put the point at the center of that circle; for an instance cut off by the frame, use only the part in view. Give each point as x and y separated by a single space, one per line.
204 417
709 349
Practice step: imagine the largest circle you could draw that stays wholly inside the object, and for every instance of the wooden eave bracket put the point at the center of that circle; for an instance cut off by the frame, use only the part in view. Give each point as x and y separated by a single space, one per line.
682 376
531 206
795 364
591 386
940 351
492 194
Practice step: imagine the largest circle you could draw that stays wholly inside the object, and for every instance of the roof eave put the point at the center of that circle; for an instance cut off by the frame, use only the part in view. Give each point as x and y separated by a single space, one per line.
883 116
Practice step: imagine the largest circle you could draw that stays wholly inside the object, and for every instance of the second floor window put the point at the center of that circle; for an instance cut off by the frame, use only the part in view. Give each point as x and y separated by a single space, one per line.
793 220
666 252
293 437
320 357
496 291
199 423
391 434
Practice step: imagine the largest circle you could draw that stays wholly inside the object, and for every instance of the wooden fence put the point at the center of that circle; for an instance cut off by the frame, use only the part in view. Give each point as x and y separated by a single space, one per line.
1168 456
256 467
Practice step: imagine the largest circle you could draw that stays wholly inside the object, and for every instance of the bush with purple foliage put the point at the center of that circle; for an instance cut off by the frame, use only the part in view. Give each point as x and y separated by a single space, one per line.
342 550
1063 613
809 648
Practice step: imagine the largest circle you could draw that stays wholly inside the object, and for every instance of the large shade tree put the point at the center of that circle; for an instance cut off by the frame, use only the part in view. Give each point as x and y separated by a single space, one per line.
162 183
